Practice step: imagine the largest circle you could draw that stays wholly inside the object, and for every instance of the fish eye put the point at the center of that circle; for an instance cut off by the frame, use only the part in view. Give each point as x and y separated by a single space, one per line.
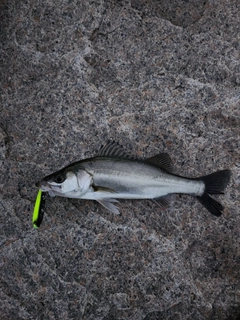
59 178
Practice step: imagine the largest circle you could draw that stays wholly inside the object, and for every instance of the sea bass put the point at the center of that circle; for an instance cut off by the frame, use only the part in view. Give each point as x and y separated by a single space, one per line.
114 174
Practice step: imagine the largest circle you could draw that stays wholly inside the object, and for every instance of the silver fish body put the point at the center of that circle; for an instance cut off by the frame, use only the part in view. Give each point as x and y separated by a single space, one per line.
113 174
128 179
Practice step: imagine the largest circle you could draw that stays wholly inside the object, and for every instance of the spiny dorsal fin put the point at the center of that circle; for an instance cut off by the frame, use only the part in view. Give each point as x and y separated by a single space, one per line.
114 150
161 160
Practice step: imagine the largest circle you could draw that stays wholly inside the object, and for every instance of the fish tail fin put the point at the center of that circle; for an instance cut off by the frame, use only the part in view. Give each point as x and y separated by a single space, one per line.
215 183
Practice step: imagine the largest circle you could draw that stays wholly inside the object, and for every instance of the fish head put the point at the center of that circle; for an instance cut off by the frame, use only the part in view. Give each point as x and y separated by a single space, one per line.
62 183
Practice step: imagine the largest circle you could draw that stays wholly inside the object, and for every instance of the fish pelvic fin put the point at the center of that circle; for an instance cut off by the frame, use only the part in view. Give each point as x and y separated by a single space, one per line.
108 204
215 183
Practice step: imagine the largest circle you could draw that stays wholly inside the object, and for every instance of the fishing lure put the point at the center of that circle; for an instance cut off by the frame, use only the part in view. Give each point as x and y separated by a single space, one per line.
38 211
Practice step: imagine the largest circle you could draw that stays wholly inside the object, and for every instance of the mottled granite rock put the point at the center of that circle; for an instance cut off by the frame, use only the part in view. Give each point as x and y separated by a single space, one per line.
155 76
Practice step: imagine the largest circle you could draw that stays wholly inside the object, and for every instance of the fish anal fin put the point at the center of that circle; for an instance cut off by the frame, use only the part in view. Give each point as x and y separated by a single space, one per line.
161 160
114 150
108 204
163 202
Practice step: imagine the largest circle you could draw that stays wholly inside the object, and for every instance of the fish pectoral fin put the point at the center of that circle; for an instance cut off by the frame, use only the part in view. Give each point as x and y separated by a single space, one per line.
161 160
163 202
108 204
103 189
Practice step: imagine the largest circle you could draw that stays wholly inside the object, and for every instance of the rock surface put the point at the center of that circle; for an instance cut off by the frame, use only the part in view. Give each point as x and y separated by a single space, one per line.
157 76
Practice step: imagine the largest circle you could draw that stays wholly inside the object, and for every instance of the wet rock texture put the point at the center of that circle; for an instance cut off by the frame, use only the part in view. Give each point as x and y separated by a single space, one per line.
157 76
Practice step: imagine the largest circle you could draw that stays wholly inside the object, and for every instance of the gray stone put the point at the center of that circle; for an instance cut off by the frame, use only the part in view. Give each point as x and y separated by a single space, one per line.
157 76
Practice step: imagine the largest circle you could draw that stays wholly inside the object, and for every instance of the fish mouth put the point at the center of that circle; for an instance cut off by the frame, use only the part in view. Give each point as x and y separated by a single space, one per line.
43 185
48 187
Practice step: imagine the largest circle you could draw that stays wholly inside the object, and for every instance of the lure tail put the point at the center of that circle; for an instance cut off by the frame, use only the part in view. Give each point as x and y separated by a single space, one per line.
215 183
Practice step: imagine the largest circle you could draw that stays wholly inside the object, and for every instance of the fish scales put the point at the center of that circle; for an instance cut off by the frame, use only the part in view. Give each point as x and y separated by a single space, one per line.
136 180
114 174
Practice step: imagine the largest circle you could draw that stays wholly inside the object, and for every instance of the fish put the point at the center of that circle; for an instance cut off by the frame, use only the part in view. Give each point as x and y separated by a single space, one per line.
114 174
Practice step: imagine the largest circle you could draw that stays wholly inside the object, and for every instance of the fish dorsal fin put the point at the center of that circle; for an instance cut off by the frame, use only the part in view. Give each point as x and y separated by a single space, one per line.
114 150
161 160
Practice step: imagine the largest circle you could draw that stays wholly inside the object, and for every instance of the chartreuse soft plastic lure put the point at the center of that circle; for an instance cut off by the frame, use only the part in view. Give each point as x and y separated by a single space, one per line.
38 211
